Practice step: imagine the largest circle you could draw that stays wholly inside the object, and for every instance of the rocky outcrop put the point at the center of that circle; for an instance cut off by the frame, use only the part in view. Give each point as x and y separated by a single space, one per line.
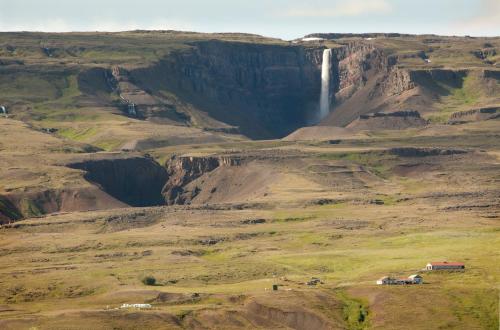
388 121
355 64
18 205
93 82
397 82
474 115
400 114
183 170
484 53
8 211
136 181
434 79
424 152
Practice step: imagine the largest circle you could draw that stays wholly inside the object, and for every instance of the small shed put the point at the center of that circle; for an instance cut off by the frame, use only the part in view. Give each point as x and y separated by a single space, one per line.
416 279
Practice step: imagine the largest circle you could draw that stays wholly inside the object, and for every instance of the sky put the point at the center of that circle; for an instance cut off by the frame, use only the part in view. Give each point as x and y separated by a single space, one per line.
286 19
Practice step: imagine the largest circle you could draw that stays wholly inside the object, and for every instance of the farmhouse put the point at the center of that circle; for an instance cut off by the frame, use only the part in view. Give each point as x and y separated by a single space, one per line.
444 265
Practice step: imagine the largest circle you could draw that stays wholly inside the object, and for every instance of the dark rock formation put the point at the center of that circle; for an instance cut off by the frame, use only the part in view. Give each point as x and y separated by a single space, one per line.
388 120
484 53
93 82
407 113
433 79
424 152
18 205
135 181
266 90
8 211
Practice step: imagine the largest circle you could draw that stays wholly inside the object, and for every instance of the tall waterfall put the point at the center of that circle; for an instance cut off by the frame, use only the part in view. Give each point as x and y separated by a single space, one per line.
324 102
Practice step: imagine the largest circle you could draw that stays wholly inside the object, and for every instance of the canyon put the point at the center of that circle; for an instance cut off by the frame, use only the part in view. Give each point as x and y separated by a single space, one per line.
230 180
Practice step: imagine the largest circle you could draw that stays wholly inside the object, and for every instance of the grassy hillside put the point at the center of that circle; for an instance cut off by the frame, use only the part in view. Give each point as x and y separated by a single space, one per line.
347 213
346 205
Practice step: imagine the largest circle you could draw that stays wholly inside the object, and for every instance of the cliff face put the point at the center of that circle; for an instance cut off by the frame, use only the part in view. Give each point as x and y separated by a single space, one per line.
183 170
266 90
270 90
354 65
16 206
135 181
388 121
397 82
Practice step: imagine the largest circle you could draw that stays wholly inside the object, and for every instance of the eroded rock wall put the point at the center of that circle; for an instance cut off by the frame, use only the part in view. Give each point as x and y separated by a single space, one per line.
183 170
266 90
136 181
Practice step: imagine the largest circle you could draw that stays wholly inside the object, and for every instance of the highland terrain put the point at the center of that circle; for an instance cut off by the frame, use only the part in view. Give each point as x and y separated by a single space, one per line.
191 172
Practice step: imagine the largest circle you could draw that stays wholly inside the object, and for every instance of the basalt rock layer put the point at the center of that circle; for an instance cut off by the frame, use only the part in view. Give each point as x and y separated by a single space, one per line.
265 90
135 181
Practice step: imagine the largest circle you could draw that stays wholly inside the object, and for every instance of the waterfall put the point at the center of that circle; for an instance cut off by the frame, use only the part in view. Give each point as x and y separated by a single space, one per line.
324 102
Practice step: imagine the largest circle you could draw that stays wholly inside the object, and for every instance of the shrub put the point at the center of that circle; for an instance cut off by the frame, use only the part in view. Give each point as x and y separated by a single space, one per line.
149 280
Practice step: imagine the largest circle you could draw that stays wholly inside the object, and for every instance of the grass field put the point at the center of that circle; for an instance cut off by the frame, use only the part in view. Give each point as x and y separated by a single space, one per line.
217 266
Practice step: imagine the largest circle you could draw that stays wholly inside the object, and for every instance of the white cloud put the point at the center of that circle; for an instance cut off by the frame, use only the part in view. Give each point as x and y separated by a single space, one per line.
351 8
52 25
61 25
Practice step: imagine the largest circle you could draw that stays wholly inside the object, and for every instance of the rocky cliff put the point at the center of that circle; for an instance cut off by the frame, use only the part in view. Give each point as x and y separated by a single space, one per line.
183 170
475 115
270 90
135 181
388 121
267 90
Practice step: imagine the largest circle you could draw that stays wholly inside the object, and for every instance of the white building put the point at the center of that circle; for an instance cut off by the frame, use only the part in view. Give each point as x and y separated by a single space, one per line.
386 280
416 279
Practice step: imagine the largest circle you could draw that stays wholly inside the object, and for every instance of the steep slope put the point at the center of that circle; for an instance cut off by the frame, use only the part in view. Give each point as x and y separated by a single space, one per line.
394 73
135 181
265 90
33 181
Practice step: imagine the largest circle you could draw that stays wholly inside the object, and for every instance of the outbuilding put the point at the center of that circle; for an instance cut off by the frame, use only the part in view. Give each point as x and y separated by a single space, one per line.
444 265
386 280
416 279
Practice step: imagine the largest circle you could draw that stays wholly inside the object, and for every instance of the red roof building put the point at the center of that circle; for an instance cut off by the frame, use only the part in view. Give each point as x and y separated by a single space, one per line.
444 265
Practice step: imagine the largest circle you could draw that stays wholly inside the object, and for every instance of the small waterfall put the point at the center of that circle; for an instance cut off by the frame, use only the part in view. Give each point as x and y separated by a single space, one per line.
324 102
